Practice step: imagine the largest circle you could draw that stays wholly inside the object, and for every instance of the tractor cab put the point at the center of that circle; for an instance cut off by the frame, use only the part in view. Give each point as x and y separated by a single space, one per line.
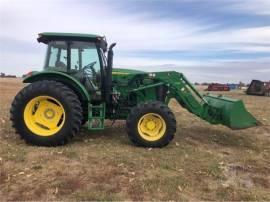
81 56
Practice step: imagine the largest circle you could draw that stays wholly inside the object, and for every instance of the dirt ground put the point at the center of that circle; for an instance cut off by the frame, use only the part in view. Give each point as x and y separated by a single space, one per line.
203 162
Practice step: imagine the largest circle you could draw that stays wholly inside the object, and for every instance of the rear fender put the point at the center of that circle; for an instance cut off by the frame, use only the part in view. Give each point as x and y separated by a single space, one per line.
64 78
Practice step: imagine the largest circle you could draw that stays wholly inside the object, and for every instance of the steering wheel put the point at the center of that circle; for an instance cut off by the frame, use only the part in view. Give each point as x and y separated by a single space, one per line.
91 67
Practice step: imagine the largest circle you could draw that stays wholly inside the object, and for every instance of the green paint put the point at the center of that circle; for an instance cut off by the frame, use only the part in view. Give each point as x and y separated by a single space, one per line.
59 34
126 71
62 77
96 116
147 87
213 109
232 112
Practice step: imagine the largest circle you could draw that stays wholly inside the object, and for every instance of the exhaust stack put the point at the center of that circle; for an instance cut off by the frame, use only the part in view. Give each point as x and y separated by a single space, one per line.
108 82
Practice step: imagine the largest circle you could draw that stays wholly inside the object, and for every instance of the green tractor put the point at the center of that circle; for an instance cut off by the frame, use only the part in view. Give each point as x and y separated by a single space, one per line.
79 85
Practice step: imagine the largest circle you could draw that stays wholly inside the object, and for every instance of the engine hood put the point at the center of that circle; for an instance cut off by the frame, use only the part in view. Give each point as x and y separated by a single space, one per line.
119 72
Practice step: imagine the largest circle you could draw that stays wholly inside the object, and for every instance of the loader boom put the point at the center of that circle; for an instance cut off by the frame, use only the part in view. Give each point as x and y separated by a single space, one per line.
211 108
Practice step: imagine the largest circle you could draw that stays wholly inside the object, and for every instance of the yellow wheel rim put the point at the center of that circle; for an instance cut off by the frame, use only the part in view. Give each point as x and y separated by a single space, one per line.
44 115
151 127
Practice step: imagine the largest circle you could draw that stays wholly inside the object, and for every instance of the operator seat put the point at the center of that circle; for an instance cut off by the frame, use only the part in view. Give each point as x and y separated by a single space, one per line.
61 65
88 84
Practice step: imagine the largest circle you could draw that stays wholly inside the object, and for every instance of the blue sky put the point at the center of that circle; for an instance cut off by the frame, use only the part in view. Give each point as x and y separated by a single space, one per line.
208 40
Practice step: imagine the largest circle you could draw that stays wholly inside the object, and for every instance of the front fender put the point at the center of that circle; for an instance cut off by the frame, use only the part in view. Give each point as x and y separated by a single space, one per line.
64 78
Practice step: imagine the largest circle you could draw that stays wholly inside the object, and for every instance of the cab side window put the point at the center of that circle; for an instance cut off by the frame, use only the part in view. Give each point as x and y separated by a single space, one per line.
83 54
57 55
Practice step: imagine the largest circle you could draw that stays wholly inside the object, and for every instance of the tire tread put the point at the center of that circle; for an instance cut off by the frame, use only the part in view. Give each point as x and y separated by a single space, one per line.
132 120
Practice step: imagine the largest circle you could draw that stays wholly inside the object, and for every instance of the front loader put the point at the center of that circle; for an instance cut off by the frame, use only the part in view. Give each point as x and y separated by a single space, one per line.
79 85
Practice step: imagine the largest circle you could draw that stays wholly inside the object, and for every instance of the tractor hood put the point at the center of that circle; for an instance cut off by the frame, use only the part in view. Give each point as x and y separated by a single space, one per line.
125 75
119 72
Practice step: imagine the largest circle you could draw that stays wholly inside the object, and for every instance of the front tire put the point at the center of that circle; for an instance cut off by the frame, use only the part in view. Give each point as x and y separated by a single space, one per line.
151 124
46 113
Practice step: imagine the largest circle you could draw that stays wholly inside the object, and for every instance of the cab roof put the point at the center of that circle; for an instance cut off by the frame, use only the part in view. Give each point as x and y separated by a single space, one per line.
46 37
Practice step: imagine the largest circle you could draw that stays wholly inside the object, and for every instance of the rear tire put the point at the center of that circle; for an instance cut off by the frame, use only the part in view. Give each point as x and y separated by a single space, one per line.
151 124
46 113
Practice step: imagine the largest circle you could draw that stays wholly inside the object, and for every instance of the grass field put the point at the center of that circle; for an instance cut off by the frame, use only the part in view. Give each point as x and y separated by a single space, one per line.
203 162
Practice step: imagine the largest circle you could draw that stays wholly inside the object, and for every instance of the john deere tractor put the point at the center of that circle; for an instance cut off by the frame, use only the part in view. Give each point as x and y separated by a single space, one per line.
78 85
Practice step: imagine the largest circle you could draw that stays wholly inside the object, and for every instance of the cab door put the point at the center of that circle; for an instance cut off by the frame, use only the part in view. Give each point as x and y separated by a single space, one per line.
85 63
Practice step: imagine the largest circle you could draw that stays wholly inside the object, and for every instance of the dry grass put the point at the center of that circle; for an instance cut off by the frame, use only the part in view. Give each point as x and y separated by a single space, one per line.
204 162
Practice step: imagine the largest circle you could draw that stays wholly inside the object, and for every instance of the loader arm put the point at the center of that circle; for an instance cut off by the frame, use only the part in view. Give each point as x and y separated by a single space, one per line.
211 108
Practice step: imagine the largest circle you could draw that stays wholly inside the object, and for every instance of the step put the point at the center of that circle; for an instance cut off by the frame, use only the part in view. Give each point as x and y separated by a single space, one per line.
96 122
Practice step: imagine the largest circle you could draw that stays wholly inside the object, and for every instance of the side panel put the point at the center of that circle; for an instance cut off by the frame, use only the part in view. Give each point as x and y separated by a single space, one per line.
134 88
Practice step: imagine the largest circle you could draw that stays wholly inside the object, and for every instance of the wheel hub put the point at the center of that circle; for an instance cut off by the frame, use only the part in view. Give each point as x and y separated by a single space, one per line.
49 113
151 127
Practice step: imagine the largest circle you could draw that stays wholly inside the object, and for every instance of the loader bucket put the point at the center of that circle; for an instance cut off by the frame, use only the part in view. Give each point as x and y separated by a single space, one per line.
232 112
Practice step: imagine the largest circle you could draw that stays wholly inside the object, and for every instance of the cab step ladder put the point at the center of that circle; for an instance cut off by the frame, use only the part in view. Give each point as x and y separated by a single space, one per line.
96 116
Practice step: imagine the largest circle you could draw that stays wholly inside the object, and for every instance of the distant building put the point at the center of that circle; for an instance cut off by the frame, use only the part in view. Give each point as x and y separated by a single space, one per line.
218 87
233 86
3 75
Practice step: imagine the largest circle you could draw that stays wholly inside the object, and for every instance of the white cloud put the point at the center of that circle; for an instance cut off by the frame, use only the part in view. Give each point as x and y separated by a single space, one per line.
258 7
22 20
